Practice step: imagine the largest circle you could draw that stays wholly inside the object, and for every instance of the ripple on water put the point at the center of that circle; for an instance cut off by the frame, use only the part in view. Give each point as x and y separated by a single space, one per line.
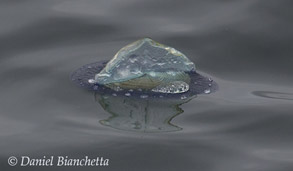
274 95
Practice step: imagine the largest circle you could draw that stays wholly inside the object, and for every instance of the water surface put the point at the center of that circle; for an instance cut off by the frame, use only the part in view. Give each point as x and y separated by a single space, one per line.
245 46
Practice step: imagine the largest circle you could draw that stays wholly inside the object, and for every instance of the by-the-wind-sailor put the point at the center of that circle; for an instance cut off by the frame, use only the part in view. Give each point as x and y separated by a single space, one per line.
145 66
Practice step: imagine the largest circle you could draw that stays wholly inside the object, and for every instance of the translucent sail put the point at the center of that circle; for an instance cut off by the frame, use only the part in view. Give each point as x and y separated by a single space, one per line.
145 64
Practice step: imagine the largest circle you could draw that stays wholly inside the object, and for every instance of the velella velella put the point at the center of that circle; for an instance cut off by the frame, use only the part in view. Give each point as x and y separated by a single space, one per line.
145 64
145 68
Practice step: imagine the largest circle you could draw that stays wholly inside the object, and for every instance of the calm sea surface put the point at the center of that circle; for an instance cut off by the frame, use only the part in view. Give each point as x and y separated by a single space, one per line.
245 46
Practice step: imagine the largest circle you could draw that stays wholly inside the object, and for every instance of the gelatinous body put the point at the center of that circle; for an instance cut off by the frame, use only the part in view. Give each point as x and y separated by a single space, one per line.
145 64
198 84
145 69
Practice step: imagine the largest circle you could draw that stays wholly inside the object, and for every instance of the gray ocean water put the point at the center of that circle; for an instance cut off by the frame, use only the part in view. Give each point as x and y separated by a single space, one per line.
245 46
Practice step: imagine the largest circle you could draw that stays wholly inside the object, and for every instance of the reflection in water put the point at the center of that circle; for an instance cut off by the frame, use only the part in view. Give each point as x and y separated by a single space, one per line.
140 114
274 95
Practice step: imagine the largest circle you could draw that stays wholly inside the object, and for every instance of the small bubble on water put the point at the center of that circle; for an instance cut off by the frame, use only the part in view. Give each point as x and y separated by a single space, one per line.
207 91
143 96
127 94
210 79
131 90
210 85
91 81
114 94
183 97
118 88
